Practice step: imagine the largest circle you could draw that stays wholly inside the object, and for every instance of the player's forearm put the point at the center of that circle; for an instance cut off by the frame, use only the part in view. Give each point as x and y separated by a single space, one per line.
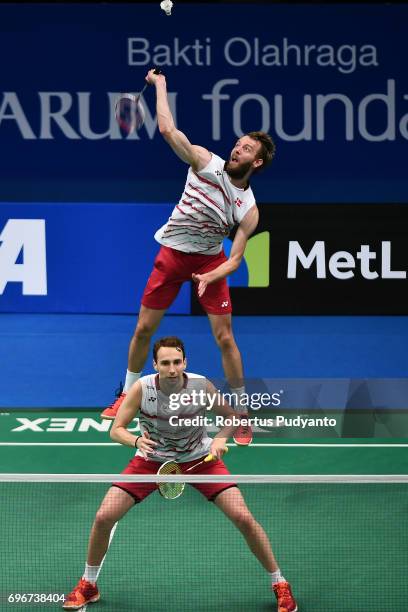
228 415
164 117
225 269
123 436
227 431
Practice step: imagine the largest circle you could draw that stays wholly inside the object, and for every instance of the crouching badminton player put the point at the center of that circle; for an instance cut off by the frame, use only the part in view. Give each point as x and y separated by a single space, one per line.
188 448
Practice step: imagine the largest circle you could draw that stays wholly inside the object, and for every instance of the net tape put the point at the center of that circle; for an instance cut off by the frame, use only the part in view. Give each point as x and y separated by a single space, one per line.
191 478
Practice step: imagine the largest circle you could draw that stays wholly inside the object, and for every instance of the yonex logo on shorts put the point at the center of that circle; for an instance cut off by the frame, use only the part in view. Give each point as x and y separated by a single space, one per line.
224 304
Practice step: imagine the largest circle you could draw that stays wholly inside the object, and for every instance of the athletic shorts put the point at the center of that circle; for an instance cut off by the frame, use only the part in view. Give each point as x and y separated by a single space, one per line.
140 490
172 268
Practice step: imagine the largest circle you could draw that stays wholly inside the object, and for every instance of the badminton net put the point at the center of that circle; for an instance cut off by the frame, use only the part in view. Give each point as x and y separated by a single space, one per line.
341 541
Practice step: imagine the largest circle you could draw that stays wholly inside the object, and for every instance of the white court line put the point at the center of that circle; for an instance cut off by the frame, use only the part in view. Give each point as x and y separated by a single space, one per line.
332 445
60 444
256 444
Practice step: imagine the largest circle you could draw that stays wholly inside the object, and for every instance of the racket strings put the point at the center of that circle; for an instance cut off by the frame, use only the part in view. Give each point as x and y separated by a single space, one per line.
170 490
129 112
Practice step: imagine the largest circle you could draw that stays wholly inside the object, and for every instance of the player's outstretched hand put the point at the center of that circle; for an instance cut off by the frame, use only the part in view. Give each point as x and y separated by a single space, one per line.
203 281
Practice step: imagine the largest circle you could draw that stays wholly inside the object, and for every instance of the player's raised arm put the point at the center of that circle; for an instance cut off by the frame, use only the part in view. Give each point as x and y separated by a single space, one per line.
197 157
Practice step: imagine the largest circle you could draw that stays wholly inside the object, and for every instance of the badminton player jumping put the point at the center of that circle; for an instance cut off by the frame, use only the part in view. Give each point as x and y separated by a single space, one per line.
188 444
217 197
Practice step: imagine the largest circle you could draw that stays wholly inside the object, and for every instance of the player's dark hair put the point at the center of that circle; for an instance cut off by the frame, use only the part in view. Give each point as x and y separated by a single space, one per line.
268 148
171 342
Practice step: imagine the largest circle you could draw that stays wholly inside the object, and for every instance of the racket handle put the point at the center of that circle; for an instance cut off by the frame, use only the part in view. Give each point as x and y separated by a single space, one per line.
156 71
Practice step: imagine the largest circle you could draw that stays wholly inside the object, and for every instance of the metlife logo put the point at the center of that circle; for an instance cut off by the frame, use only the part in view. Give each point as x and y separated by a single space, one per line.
331 259
342 264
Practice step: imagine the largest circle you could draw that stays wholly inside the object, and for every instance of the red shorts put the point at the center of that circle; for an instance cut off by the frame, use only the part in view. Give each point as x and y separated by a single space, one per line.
172 268
140 490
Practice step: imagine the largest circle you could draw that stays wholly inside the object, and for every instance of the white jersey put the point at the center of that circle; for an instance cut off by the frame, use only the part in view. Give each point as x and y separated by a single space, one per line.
209 208
177 442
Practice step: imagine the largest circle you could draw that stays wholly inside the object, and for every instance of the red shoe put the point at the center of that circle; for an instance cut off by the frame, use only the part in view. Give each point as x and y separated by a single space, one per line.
111 411
283 593
84 593
243 434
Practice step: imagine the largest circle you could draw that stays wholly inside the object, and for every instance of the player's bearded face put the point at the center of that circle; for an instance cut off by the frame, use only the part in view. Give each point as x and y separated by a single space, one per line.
237 169
244 153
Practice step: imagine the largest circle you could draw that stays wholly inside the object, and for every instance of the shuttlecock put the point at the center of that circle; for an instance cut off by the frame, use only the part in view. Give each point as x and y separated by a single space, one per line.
166 6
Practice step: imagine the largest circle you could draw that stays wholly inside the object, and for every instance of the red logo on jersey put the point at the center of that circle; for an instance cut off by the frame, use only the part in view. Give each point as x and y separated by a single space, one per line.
238 202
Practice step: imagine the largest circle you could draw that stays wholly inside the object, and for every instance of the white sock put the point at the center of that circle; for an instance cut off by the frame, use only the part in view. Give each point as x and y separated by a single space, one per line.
131 378
237 393
276 576
91 572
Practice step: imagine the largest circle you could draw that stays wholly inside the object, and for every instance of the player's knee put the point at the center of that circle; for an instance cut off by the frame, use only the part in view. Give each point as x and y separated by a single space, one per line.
104 520
144 331
225 339
244 520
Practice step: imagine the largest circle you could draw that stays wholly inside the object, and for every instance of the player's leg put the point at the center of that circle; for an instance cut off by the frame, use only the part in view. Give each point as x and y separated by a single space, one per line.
216 302
113 507
117 502
232 503
229 499
147 323
221 326
161 290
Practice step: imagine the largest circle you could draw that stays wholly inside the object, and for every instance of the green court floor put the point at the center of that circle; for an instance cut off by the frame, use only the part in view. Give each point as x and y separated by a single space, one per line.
344 547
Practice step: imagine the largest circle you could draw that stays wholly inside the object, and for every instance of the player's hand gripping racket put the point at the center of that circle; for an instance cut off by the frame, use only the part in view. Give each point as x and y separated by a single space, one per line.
129 110
172 490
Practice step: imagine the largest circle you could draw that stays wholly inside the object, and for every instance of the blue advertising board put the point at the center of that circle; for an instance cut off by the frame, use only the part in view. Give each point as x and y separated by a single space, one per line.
302 259
328 81
93 258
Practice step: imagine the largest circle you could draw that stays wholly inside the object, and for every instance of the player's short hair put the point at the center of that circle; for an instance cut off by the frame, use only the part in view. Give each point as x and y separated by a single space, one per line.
268 148
171 342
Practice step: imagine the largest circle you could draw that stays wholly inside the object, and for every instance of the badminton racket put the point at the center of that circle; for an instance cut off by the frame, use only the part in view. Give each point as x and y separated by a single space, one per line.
172 490
129 110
